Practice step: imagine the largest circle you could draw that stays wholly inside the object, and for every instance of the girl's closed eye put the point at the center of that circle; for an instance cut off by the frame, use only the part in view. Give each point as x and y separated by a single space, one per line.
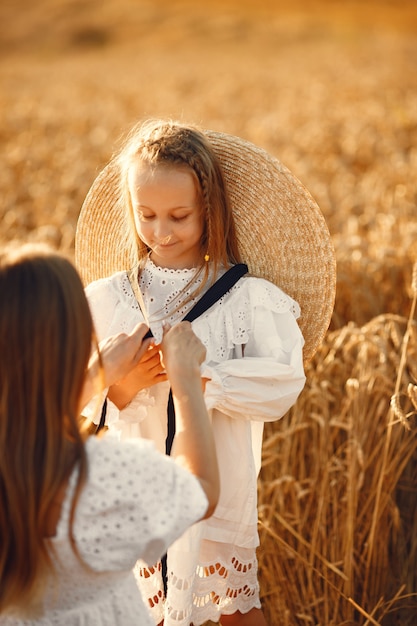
145 217
179 218
175 217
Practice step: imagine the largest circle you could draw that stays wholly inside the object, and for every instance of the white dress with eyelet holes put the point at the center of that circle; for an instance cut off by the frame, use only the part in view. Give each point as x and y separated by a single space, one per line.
135 502
255 369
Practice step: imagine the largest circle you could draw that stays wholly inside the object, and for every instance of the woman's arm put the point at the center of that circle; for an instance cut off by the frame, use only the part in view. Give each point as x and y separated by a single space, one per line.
193 445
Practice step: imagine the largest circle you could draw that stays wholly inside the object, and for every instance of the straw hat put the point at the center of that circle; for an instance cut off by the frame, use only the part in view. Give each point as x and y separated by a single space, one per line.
281 231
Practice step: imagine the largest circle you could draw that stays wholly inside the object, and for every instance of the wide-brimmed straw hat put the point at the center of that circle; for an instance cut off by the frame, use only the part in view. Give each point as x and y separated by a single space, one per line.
281 231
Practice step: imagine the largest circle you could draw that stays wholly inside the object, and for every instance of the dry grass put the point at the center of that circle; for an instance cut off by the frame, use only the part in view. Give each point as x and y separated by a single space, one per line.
330 88
338 488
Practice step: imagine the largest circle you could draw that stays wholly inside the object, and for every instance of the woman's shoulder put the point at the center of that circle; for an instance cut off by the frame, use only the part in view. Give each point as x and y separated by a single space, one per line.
108 451
113 464
132 469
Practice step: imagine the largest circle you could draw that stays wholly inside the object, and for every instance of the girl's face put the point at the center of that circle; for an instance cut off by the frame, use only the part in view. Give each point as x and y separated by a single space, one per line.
167 213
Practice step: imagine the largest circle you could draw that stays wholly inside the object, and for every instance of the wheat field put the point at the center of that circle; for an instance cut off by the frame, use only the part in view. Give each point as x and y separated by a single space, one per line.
329 88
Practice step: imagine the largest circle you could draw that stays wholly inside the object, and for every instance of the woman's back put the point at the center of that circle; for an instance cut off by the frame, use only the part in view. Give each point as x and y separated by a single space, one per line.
132 506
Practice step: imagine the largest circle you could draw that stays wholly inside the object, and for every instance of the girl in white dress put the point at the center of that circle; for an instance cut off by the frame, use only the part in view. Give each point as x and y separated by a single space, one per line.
76 513
173 212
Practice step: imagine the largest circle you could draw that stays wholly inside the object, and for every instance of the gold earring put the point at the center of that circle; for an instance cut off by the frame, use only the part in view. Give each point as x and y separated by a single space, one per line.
207 258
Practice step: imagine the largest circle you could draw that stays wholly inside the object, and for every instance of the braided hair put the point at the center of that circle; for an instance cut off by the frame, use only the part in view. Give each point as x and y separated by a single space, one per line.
168 143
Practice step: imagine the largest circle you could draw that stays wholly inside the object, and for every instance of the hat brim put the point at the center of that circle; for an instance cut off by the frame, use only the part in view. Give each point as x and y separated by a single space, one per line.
281 232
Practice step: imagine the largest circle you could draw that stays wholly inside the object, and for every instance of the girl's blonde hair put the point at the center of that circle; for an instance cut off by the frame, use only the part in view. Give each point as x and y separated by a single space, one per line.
169 143
46 335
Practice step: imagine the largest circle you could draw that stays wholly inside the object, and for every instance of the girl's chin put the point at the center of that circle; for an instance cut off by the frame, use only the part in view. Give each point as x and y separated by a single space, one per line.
164 258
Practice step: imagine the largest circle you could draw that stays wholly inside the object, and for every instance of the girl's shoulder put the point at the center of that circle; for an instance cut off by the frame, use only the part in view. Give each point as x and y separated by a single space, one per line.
114 282
256 292
113 304
106 295
252 305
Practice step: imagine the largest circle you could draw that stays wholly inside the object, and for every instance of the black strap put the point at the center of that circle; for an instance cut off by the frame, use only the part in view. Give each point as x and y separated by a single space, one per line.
102 421
216 291
212 295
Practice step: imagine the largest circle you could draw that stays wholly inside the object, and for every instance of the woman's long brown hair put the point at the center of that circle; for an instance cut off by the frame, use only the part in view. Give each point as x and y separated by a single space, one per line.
45 343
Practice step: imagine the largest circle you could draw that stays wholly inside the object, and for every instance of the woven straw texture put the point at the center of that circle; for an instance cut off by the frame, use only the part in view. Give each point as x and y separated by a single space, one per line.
281 231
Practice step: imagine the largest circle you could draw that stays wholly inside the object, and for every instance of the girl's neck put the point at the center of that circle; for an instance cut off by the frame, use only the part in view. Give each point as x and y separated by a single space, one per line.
174 265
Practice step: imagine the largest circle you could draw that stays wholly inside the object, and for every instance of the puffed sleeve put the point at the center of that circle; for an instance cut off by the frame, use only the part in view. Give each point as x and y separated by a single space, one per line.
136 503
263 373
103 299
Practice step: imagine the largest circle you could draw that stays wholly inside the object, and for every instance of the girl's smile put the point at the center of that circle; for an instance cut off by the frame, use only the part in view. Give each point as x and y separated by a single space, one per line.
167 213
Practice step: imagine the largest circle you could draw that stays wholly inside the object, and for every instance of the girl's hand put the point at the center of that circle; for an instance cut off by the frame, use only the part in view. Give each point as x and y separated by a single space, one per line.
148 372
121 353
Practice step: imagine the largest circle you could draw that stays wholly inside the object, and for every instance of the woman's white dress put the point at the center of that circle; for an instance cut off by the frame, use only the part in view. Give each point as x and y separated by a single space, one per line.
135 503
254 364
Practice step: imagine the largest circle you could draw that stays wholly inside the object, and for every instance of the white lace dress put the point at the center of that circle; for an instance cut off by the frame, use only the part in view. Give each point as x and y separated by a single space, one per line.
255 366
134 504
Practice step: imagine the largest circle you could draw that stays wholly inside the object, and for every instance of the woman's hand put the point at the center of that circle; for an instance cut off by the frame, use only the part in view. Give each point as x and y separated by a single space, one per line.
178 357
182 352
119 355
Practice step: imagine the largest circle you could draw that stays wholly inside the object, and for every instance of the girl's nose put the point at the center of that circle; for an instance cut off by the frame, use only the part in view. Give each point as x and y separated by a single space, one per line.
162 231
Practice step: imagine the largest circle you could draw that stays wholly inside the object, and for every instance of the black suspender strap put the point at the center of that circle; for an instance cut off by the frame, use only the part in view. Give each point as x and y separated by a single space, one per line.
216 291
212 295
102 421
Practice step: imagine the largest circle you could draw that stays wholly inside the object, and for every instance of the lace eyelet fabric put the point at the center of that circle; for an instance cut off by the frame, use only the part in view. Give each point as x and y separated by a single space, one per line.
218 587
253 373
163 291
134 504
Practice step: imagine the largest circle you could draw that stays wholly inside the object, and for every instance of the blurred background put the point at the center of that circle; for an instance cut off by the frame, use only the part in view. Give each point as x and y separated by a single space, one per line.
329 87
